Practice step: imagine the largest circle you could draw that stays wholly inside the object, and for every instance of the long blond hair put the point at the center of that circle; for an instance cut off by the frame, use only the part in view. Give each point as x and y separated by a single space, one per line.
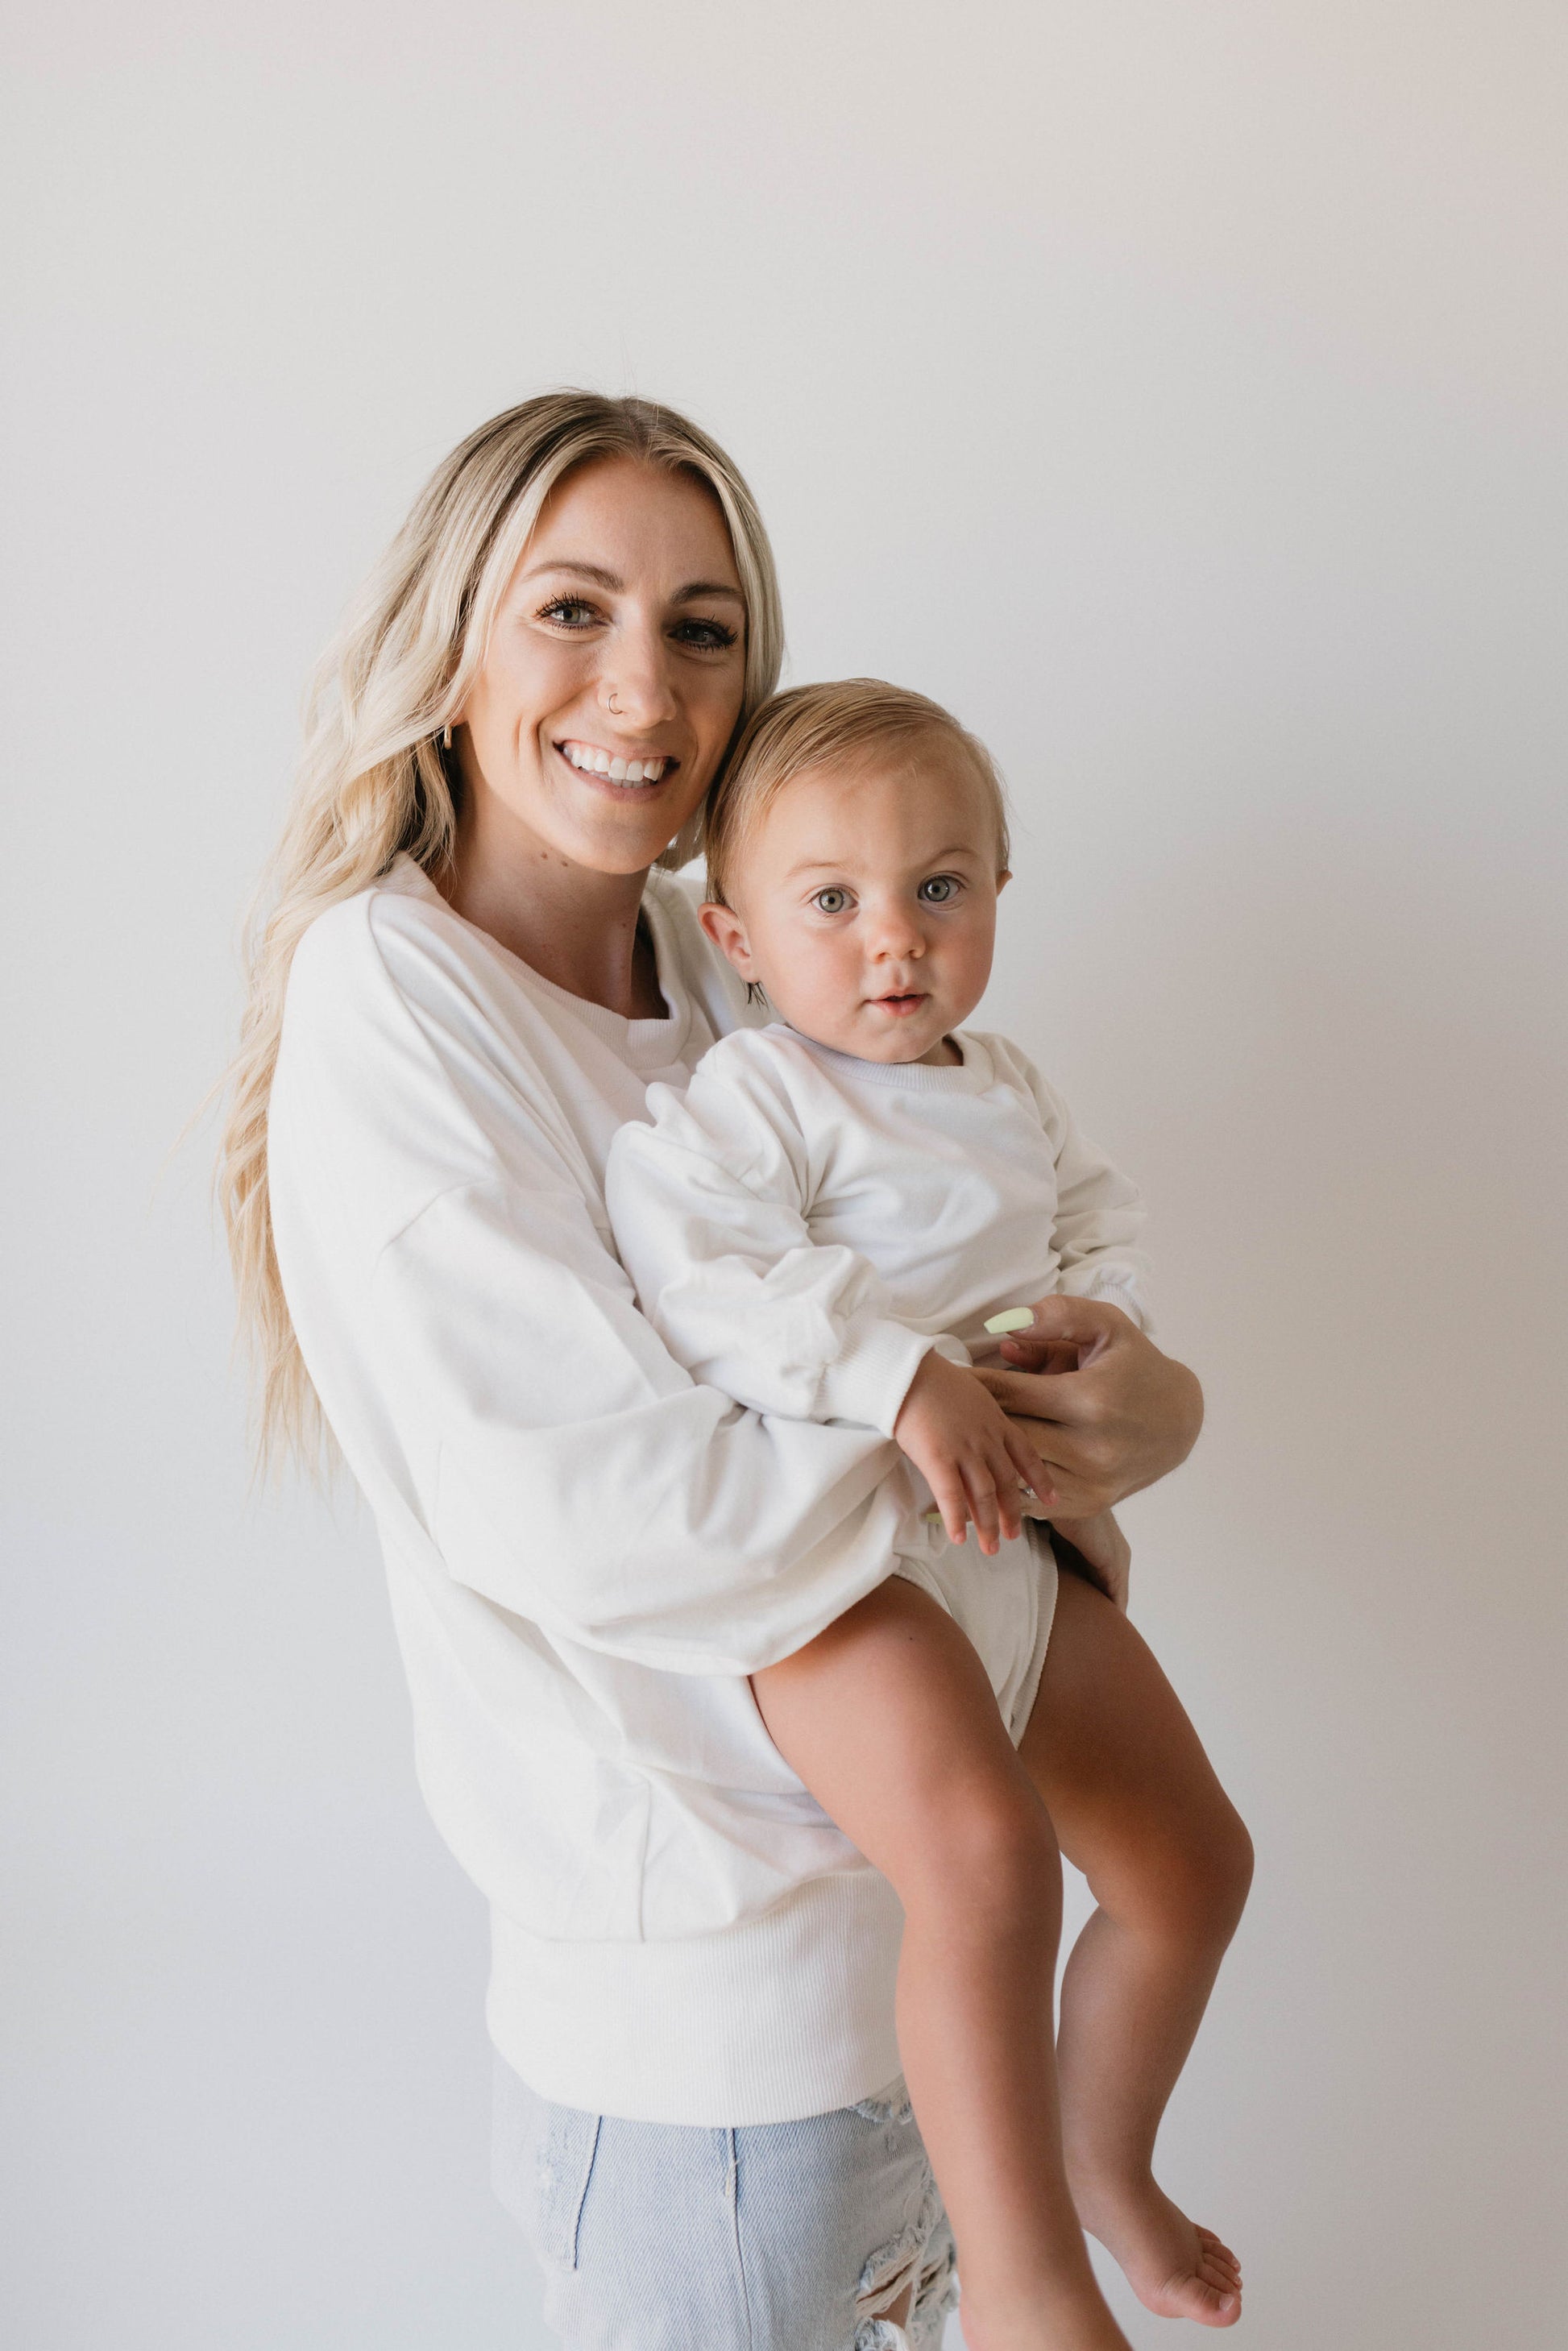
374 781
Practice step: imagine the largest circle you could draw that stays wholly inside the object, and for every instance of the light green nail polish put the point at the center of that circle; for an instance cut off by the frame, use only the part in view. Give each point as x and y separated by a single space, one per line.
1011 1317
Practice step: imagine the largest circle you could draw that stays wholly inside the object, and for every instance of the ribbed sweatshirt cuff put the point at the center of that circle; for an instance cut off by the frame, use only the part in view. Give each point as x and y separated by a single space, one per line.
871 1377
1116 1290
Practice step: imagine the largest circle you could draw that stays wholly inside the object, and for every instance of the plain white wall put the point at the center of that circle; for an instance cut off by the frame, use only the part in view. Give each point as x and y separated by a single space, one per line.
1176 389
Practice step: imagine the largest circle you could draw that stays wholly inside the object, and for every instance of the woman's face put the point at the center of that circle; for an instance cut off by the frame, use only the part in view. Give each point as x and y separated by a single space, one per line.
614 673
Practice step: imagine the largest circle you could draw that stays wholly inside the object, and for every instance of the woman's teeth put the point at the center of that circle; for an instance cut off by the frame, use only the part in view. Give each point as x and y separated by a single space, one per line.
593 761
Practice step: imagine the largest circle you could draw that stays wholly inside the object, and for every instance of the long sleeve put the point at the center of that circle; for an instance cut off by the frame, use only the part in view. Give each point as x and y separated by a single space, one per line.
587 1550
588 1482
1100 1213
707 1205
479 1351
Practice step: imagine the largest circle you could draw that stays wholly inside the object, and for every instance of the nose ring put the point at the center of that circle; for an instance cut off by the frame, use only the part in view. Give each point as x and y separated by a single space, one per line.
611 703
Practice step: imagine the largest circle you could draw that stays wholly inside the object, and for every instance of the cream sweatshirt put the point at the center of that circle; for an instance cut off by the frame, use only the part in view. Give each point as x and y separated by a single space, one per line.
802 1225
587 1548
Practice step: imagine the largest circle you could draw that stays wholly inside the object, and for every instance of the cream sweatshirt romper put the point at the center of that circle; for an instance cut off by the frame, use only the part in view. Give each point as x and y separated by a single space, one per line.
803 1227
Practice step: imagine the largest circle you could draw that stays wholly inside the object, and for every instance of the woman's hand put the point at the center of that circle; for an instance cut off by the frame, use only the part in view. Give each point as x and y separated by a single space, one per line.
1104 1553
974 1462
1126 1416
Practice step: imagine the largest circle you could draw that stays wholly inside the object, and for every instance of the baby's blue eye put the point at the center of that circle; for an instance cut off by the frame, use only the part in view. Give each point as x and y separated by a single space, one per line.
938 889
831 901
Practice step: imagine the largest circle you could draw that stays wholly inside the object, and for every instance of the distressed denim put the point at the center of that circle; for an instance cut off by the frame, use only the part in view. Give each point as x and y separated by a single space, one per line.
770 2236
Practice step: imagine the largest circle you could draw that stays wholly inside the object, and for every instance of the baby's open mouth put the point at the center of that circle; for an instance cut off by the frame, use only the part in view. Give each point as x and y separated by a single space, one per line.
910 1001
592 759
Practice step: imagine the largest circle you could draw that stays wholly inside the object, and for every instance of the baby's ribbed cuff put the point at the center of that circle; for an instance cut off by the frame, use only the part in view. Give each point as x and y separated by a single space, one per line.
871 1377
1120 1290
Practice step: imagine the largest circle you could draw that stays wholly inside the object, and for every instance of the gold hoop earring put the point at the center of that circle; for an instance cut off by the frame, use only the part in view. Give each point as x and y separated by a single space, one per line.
446 736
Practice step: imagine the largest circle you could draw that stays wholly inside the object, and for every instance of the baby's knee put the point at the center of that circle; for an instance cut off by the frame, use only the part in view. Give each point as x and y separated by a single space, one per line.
995 1857
1207 1882
1231 1865
1183 1882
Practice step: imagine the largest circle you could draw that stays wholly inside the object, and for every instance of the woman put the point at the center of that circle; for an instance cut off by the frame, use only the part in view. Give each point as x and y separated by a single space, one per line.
472 969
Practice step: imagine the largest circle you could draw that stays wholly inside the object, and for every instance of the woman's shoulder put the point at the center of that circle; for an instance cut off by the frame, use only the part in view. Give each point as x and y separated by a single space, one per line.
390 989
398 934
407 1049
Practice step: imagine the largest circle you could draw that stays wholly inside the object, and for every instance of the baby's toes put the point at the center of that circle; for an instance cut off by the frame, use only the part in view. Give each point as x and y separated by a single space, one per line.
1221 2303
1213 2256
1224 2305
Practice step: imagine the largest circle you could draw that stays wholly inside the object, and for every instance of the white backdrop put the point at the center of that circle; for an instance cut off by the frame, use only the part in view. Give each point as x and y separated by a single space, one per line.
1176 391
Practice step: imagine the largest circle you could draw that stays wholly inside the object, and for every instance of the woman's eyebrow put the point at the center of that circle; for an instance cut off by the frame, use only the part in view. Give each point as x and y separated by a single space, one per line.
691 593
595 571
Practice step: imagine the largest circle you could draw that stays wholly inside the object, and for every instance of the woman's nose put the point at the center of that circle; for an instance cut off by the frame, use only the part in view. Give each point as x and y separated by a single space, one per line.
635 685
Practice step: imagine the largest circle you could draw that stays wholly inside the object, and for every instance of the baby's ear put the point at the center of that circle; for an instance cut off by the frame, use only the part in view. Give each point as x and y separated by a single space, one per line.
725 928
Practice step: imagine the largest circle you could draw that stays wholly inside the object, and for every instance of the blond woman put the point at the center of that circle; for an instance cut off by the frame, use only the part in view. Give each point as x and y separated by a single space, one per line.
472 961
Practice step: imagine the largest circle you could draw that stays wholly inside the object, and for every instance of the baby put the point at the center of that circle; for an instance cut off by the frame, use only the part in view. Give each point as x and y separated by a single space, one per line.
831 1224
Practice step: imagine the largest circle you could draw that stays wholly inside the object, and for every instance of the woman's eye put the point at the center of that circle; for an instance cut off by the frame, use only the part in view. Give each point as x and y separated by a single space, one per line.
831 901
706 636
570 611
938 889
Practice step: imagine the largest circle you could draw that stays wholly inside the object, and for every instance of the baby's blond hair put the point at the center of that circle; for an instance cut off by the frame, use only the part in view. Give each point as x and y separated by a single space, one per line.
821 726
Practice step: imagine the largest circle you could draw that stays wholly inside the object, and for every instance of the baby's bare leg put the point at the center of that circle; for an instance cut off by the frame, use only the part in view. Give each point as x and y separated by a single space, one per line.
1138 1809
890 1720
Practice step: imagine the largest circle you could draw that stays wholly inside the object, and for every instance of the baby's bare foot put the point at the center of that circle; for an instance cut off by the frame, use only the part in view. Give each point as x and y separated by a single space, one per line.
1175 2268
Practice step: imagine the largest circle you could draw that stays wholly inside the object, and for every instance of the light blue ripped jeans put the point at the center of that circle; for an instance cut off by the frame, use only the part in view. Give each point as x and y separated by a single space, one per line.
770 2236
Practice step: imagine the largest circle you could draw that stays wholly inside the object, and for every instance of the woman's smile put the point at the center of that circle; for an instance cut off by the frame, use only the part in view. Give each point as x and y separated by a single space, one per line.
612 681
621 767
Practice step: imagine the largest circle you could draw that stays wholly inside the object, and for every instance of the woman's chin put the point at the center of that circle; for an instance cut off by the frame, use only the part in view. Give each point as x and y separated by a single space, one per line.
608 840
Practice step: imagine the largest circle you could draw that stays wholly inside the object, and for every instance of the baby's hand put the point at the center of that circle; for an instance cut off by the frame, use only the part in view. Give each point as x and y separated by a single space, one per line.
970 1454
1103 1549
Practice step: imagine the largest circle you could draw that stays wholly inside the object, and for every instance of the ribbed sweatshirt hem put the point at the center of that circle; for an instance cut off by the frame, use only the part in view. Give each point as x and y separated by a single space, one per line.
783 2015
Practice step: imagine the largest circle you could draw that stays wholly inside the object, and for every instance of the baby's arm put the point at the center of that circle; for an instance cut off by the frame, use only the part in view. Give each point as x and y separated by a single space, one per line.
708 1207
1100 1213
709 1203
1098 1219
970 1454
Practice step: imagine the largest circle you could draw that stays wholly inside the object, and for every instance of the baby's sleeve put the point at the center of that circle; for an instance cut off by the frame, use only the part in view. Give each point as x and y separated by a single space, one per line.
708 1206
1100 1214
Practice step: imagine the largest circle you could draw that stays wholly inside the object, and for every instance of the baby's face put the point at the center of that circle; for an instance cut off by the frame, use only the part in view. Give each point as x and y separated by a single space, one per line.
866 901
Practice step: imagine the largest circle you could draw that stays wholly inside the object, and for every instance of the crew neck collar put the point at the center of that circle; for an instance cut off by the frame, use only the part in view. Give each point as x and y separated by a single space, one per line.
970 1076
657 1042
